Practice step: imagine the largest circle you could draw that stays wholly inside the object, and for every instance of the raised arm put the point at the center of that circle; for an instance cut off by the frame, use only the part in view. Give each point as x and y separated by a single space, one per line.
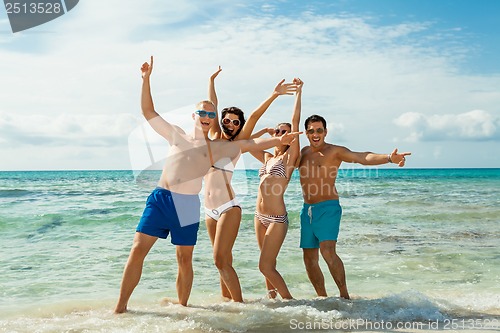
294 150
369 158
259 155
160 125
261 132
280 89
147 105
298 105
215 130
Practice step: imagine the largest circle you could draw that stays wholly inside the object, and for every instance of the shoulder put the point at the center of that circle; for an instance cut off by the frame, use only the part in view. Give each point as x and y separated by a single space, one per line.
334 152
334 149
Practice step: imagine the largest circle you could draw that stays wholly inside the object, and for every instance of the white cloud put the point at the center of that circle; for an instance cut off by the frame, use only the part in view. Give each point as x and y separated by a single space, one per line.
66 130
437 152
473 125
358 75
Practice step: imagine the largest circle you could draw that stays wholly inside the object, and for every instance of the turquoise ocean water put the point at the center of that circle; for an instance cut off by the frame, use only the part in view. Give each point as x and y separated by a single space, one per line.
420 248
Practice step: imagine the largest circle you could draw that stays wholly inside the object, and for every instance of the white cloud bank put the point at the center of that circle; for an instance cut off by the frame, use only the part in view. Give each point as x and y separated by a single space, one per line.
78 85
476 125
66 129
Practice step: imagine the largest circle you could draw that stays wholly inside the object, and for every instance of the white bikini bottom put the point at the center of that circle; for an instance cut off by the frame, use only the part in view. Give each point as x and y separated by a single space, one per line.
215 213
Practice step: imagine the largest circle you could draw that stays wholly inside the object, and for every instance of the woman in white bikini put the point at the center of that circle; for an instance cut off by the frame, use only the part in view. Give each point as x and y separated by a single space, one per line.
271 220
223 212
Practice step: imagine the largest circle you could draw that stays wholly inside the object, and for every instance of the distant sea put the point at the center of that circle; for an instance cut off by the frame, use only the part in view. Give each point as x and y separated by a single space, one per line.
420 247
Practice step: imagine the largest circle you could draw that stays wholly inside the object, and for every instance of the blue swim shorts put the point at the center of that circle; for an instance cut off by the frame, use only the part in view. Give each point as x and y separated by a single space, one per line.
319 222
168 212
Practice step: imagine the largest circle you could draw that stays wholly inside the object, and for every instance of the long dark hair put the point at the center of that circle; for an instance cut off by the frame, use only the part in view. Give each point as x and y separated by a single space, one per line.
241 116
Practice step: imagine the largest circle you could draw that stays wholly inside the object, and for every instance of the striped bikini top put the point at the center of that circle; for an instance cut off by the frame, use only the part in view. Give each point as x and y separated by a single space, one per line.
277 169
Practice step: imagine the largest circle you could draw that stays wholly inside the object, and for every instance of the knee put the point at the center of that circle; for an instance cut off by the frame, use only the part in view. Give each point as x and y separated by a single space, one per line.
221 261
266 267
184 259
329 255
310 261
138 252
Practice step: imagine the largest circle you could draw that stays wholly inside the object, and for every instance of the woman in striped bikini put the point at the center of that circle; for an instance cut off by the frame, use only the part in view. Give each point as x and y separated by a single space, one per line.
271 221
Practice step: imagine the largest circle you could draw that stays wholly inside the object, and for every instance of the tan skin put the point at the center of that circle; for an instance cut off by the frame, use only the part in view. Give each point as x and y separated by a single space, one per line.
319 164
187 184
270 201
180 177
224 231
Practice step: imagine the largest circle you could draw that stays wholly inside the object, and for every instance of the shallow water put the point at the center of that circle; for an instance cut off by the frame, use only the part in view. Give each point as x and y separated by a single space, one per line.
420 247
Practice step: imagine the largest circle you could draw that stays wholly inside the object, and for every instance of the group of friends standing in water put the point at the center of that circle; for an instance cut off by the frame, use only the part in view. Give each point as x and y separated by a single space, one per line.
210 153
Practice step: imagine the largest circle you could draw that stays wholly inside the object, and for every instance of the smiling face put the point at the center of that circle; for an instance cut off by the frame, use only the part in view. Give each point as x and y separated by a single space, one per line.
232 123
205 122
316 134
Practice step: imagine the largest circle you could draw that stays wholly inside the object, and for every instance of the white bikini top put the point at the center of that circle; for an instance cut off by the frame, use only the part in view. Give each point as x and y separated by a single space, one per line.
225 164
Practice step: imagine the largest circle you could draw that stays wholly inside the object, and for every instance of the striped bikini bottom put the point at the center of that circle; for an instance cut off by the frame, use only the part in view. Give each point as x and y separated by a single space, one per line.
265 220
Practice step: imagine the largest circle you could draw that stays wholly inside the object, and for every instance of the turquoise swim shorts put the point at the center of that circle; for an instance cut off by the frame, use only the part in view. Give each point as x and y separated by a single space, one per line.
319 222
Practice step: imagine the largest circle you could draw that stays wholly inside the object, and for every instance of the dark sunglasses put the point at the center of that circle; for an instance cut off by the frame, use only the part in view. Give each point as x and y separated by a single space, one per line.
279 132
236 122
318 130
203 114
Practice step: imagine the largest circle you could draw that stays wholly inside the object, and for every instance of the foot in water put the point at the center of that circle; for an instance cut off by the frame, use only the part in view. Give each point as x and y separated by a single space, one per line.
169 301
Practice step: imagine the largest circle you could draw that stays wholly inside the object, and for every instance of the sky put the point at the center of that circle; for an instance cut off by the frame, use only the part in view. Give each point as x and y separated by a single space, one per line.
417 75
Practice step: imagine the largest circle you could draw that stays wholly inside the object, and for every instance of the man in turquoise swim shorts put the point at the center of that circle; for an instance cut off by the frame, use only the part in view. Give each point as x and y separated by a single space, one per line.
321 213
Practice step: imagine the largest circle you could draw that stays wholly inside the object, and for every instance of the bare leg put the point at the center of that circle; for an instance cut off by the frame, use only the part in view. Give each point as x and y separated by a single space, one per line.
225 236
212 228
260 233
185 274
335 265
133 269
311 261
273 239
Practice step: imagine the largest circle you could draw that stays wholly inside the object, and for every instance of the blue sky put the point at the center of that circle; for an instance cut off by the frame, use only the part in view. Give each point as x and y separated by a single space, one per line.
422 76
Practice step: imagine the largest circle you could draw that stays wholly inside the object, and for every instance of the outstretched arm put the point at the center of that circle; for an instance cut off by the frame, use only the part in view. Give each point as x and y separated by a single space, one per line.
262 144
160 125
369 158
280 89
215 131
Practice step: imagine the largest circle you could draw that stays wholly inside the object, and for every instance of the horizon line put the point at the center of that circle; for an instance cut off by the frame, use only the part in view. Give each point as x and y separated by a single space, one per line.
253 169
